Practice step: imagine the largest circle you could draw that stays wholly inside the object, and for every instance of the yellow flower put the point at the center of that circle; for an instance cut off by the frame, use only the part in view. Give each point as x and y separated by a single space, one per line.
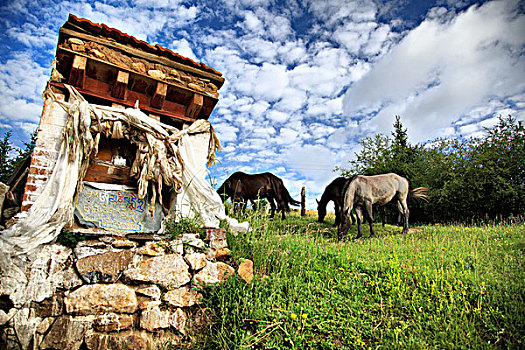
293 316
444 249
341 269
304 316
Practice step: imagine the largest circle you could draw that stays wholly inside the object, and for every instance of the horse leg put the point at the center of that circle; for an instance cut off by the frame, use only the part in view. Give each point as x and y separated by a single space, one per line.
337 214
272 207
369 214
403 210
383 215
358 214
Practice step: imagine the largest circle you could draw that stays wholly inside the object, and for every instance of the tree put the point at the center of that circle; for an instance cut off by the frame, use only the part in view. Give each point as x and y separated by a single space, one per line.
6 166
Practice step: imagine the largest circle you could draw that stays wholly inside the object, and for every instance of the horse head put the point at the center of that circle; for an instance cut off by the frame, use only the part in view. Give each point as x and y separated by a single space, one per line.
321 211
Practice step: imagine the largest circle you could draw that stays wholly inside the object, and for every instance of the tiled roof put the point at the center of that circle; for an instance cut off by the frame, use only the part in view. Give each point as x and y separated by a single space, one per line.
104 30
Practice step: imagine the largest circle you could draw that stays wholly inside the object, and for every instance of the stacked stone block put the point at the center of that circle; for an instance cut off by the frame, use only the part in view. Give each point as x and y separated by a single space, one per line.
119 293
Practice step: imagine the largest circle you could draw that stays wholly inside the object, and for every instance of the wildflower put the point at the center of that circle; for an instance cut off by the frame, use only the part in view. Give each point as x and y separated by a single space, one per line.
304 316
444 249
289 252
293 316
341 269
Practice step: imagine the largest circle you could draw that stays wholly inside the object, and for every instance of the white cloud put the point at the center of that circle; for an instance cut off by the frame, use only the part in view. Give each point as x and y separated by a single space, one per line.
443 70
183 48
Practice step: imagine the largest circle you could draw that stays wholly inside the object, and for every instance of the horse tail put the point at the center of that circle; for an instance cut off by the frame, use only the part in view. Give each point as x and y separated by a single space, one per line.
419 193
287 198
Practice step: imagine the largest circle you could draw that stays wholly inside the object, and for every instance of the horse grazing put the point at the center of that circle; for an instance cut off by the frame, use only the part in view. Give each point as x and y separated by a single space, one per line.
242 187
333 192
365 191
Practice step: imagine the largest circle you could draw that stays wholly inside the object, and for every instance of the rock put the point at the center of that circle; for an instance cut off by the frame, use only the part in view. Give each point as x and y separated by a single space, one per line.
96 298
195 87
176 246
138 67
182 297
152 291
149 304
111 322
169 271
67 333
218 254
245 270
105 267
130 340
123 243
193 240
25 324
178 320
214 273
154 318
215 233
52 306
196 261
91 247
97 53
75 41
218 244
3 318
152 249
157 74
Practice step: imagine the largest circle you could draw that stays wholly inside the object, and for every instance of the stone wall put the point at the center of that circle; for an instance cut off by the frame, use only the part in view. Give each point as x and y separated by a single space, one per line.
114 292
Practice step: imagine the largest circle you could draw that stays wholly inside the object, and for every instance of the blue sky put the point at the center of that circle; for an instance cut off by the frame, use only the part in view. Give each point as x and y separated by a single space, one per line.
305 80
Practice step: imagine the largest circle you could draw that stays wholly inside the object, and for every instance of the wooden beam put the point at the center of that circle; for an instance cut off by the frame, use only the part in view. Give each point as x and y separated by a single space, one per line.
216 79
77 75
160 94
195 106
121 85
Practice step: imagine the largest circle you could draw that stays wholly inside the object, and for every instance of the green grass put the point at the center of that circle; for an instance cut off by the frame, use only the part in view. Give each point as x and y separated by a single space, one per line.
436 287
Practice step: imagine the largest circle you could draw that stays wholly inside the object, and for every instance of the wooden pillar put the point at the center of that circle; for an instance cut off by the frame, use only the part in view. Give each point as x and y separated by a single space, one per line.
195 106
77 75
120 86
303 201
160 94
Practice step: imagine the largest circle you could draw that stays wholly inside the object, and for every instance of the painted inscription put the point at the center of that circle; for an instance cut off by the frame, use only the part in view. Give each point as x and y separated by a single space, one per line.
120 210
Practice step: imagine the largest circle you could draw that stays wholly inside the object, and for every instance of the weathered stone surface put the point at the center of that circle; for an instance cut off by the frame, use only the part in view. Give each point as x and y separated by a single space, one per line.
192 240
178 320
127 340
157 74
52 306
218 244
148 304
246 270
154 318
176 246
182 297
123 244
214 273
151 291
96 298
91 247
67 333
25 323
111 322
218 254
169 271
152 249
3 317
196 260
138 67
105 267
215 233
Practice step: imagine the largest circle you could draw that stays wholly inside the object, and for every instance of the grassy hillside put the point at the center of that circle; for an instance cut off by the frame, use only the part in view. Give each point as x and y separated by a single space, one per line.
435 287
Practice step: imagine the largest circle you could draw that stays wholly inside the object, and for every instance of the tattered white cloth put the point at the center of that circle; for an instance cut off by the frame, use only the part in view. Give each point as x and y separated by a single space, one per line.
166 156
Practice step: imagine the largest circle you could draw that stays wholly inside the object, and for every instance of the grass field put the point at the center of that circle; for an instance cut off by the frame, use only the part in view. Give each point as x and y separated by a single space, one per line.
437 287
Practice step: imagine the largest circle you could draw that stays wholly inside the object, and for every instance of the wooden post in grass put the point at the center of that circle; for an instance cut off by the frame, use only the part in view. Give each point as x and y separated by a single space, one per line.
303 201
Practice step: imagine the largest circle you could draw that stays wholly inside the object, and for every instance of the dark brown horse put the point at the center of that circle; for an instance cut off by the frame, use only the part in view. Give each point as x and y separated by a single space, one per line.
366 191
333 192
242 187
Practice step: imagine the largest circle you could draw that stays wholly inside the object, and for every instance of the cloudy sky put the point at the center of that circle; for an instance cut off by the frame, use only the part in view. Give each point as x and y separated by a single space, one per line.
305 79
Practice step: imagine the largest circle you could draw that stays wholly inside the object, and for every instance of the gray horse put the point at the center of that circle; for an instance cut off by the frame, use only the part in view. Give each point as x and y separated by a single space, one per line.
367 191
